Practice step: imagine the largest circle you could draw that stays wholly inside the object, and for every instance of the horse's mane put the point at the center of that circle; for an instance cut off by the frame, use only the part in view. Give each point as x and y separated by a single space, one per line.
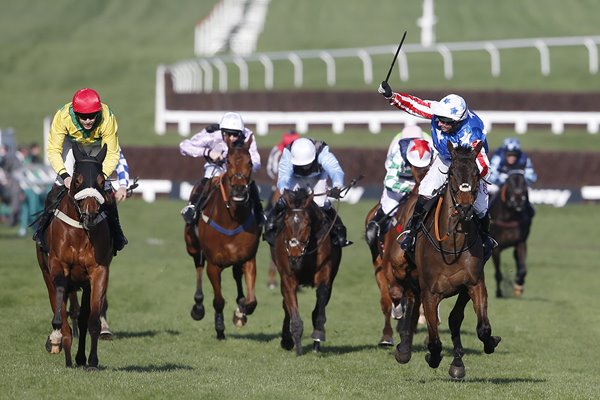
297 197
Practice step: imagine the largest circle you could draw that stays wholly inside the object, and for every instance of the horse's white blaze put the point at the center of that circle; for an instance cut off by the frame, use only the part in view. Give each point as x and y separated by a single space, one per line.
294 242
465 187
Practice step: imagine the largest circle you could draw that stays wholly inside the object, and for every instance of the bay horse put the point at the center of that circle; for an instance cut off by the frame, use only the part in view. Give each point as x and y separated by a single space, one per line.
80 250
451 262
305 256
510 226
227 233
395 272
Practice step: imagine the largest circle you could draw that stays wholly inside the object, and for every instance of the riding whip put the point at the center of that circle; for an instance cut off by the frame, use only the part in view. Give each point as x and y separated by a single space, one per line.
395 56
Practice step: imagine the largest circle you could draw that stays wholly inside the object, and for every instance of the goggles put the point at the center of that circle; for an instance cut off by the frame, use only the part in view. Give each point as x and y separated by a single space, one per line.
85 117
446 120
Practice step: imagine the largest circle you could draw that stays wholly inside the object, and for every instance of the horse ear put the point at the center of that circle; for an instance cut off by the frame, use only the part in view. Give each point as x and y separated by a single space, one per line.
78 152
102 155
450 147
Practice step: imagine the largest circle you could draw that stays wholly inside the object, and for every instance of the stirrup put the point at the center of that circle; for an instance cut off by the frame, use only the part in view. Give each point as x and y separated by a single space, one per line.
372 233
408 242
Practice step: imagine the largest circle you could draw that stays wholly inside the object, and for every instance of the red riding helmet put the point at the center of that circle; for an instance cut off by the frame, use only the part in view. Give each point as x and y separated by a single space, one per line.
86 101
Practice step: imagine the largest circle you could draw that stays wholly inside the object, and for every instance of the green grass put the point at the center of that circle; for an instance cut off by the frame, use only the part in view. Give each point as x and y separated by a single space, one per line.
51 49
548 337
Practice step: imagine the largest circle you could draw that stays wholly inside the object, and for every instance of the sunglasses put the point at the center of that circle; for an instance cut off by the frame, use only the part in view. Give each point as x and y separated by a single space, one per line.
232 133
446 120
85 117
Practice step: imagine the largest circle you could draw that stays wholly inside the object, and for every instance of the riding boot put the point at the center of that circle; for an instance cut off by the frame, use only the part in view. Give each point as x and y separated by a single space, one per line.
271 222
410 233
119 239
50 204
339 230
377 226
488 242
258 209
196 199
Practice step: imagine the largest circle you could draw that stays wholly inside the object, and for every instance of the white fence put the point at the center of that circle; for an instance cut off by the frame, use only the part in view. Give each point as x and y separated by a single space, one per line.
194 76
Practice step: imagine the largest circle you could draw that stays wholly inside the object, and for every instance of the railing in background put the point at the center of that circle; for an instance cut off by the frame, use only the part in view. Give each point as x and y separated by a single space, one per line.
195 76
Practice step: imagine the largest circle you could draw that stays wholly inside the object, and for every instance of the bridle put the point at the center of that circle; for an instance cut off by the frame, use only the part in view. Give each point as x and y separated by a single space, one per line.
293 244
88 220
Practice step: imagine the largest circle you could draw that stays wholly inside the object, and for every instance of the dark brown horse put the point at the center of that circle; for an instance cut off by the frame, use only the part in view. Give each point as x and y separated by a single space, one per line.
304 255
395 273
510 225
227 234
449 260
80 250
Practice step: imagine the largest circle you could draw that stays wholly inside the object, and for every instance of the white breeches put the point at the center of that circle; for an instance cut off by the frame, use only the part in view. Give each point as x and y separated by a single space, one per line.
211 170
389 200
435 178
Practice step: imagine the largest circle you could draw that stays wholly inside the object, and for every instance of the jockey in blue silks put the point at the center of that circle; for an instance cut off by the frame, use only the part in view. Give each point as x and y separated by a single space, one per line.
451 121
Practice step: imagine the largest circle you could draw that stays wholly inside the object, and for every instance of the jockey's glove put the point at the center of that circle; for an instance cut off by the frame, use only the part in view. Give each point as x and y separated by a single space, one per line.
335 193
385 90
215 155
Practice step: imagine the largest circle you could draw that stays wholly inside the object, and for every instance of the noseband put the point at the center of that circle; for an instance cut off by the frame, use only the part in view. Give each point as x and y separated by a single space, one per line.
294 242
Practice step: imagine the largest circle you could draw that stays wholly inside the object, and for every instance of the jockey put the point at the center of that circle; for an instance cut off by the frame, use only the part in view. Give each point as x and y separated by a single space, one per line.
451 121
308 164
275 155
90 123
212 144
405 151
508 158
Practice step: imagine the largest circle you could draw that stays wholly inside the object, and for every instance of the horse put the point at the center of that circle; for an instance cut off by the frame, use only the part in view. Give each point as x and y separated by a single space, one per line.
80 250
510 226
304 255
227 233
394 270
451 263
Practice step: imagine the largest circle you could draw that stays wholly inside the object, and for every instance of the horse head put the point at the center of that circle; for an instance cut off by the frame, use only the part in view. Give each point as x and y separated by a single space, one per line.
87 186
296 225
514 191
239 171
463 179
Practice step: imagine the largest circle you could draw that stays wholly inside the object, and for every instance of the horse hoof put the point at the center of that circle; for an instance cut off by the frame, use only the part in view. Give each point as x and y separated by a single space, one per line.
239 318
221 335
316 346
433 362
491 345
402 357
386 341
287 344
457 373
272 285
53 348
90 368
518 290
106 335
318 336
197 312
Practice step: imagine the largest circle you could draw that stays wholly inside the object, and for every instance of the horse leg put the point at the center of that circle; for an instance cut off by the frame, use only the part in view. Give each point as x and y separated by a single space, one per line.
245 305
407 329
434 345
498 271
239 316
105 332
295 326
214 274
99 284
74 312
478 294
54 343
272 281
198 311
319 316
82 321
520 255
385 301
455 319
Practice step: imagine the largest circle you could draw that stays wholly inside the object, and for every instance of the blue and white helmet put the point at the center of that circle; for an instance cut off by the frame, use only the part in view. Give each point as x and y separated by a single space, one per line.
452 106
512 145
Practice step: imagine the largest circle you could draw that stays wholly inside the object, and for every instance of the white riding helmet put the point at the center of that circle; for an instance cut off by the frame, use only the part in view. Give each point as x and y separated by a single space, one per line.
418 153
452 106
232 121
303 152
